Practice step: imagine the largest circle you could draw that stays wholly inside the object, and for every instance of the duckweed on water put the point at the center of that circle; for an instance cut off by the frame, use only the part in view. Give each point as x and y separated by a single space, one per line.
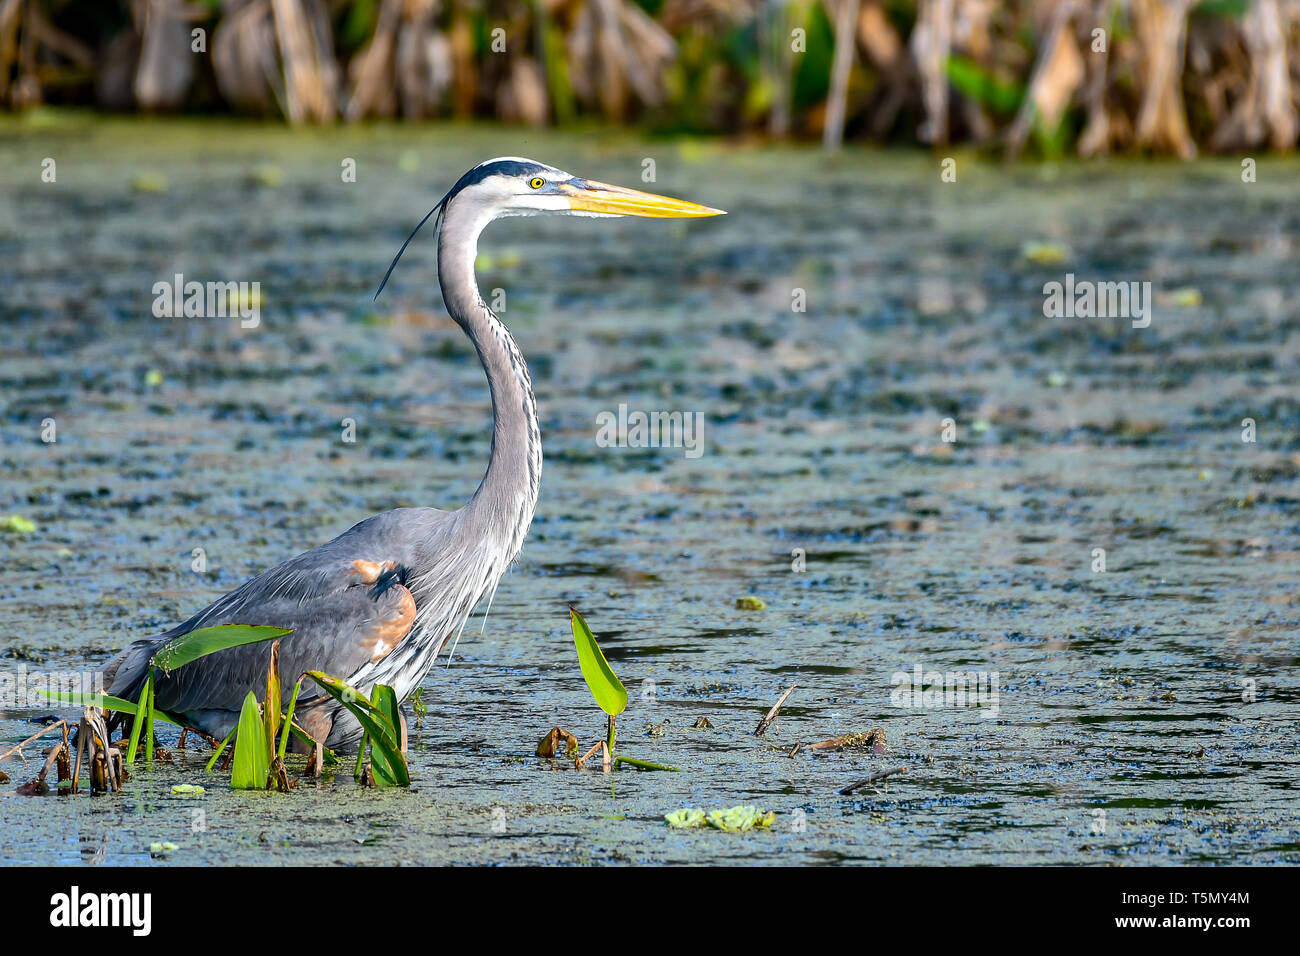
734 820
979 558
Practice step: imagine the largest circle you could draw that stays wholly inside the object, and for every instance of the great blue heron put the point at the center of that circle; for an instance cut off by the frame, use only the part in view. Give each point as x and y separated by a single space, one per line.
377 604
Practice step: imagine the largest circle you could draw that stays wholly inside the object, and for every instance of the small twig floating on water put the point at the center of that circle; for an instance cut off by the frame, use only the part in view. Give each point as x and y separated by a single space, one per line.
767 721
874 778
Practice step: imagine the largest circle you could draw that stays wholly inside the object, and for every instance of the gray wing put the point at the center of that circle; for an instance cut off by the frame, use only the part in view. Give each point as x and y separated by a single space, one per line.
347 602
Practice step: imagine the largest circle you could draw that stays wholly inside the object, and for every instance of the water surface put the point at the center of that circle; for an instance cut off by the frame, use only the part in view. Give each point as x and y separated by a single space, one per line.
1121 734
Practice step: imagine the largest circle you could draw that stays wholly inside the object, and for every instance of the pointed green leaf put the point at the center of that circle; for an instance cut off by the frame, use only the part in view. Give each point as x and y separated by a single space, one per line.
208 640
136 725
116 704
252 764
385 700
78 699
288 718
148 718
608 690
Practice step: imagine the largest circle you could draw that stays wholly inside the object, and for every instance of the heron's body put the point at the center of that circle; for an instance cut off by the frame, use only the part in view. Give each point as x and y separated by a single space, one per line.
378 603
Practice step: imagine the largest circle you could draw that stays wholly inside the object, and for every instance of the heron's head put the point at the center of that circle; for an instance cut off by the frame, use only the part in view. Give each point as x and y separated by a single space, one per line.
511 186
523 187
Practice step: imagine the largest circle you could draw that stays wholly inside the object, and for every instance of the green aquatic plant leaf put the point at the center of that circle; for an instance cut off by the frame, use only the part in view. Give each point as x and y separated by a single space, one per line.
360 767
148 717
221 748
738 819
252 764
208 640
75 698
386 702
108 702
608 690
288 719
644 764
687 817
385 738
140 712
735 820
17 524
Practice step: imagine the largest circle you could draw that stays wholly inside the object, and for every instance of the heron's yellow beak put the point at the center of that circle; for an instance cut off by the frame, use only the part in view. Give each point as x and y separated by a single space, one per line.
590 196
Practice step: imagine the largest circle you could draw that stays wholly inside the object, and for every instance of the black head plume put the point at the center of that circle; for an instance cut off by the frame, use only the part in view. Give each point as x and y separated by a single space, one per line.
393 265
507 167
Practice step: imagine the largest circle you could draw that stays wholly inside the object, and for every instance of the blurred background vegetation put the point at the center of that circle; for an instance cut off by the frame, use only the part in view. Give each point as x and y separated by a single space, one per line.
1053 78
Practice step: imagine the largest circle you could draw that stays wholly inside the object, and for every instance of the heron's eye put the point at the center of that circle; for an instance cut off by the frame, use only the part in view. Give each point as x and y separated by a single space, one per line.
538 182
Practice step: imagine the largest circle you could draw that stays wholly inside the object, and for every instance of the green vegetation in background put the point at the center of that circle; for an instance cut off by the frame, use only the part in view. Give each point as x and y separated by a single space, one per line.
717 80
973 80
812 78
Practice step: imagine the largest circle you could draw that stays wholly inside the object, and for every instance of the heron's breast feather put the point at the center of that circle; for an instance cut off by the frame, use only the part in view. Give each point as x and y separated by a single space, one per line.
385 633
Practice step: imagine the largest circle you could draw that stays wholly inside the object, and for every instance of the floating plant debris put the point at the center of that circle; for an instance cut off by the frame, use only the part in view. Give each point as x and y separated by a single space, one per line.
735 820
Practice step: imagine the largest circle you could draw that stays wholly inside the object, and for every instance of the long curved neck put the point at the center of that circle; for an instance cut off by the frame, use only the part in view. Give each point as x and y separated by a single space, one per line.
502 507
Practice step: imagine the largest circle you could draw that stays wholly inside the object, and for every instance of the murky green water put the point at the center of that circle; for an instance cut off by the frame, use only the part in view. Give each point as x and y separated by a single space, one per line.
1121 733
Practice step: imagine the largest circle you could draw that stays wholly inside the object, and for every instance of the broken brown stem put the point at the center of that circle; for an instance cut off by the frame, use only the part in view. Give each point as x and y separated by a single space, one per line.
50 760
767 721
582 761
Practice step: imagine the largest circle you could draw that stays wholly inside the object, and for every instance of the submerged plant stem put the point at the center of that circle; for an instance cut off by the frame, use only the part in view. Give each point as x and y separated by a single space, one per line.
644 764
361 756
288 718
